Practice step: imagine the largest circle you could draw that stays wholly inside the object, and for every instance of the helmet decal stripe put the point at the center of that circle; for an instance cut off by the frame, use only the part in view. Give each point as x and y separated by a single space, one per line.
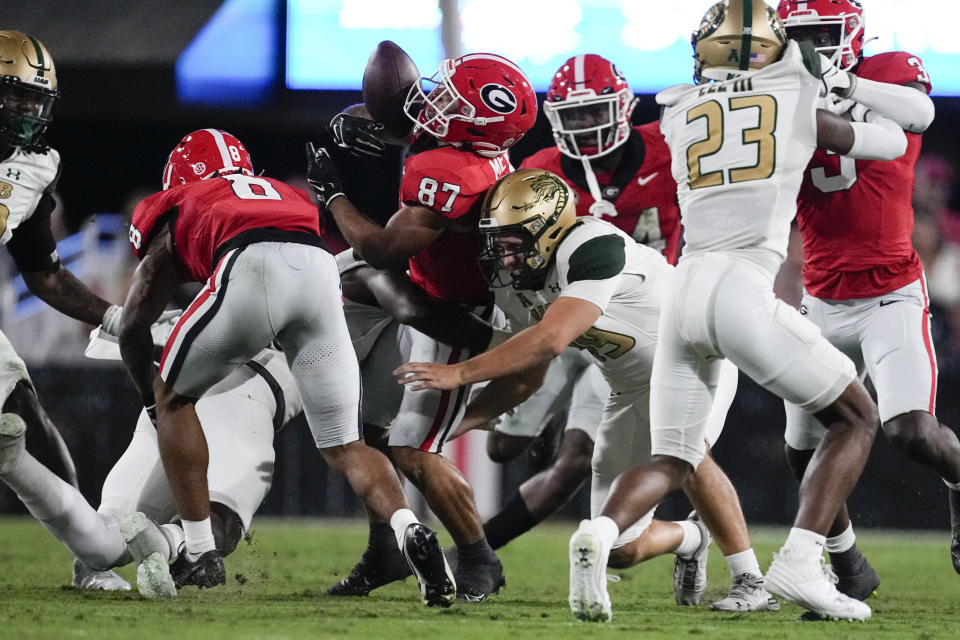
40 62
222 148
746 43
579 77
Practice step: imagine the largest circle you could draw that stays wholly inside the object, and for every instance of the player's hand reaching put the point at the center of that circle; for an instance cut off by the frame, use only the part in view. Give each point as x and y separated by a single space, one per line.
428 375
359 136
834 80
323 175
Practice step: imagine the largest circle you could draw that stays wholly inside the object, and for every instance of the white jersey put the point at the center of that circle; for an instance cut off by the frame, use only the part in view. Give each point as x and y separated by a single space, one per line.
24 177
739 149
599 263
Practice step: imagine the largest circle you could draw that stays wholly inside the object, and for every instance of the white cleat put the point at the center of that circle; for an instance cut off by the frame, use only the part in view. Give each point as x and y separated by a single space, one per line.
151 551
747 594
589 599
12 440
690 574
810 583
86 578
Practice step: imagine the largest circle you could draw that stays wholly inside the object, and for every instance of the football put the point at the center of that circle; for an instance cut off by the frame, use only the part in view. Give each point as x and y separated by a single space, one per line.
389 74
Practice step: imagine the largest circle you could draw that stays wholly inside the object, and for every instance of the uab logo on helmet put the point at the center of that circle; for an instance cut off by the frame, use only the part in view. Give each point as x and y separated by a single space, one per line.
498 98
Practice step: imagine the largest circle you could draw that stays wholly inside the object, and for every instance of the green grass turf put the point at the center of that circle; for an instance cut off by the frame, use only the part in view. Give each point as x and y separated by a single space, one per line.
275 589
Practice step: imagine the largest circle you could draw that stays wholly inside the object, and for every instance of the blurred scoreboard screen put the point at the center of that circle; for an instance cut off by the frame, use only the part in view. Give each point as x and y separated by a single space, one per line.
327 42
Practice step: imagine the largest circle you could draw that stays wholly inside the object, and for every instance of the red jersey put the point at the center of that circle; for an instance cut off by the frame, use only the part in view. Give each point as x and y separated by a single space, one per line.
208 217
452 183
856 216
641 187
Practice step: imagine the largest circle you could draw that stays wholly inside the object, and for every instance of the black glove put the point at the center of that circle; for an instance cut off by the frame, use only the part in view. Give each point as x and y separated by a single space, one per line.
323 175
357 135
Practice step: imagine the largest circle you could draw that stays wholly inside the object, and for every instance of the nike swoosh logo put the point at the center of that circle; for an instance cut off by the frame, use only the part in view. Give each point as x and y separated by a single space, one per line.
643 181
884 303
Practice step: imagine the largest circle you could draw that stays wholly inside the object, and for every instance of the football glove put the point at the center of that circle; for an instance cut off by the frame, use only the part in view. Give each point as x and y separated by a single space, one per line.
834 80
323 176
357 135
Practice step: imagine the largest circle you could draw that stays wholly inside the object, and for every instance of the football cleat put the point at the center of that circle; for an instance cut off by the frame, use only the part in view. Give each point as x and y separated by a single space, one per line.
86 578
376 568
425 556
810 583
146 542
478 581
955 528
858 579
690 574
205 572
12 440
747 594
588 599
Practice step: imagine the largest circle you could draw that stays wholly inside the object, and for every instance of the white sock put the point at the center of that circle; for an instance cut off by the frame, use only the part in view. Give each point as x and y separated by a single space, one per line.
804 543
953 485
175 538
691 539
607 530
198 536
743 562
400 520
65 513
842 542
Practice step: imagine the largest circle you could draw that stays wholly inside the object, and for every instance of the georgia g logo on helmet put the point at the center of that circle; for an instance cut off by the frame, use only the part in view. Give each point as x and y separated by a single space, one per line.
498 98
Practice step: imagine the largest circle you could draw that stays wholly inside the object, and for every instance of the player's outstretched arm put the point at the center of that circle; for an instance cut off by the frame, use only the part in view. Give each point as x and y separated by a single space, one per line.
879 138
67 294
498 397
564 320
151 288
442 320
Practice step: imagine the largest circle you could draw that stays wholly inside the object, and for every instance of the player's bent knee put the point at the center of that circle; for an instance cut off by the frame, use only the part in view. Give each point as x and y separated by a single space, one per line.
911 432
227 528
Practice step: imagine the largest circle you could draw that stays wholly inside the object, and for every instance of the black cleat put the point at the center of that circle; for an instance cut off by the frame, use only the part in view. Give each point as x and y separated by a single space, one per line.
477 582
856 577
376 568
955 551
955 529
207 571
425 557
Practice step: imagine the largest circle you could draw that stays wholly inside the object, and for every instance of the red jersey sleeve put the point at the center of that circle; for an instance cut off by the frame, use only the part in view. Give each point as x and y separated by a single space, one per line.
895 67
147 218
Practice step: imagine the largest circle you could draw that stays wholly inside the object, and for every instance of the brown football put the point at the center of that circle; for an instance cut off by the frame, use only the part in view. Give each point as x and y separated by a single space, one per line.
386 80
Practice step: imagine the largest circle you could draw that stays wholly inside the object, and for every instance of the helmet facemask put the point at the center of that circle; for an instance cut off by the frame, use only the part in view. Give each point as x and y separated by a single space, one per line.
510 258
590 126
25 112
833 36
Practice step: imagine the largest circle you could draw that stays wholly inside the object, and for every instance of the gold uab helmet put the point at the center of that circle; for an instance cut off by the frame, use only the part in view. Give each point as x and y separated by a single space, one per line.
526 212
736 35
28 89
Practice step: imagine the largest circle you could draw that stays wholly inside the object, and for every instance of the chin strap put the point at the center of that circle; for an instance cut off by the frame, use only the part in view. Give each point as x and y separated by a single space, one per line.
600 207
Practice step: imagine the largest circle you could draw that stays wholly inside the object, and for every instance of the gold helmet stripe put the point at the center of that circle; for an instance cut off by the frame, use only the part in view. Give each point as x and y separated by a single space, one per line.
746 43
39 50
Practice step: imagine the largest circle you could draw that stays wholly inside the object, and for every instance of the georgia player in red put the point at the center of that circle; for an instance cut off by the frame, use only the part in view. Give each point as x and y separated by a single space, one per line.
619 172
255 241
864 285
475 108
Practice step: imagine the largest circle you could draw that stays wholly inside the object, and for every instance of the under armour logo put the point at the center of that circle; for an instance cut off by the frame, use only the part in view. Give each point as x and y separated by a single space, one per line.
554 288
13 173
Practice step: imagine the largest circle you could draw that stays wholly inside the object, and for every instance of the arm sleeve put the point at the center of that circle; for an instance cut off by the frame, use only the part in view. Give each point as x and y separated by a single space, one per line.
912 110
878 139
32 246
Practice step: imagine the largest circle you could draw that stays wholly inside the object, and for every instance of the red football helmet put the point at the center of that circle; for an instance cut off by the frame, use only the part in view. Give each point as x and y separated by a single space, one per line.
589 105
481 101
835 27
205 154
